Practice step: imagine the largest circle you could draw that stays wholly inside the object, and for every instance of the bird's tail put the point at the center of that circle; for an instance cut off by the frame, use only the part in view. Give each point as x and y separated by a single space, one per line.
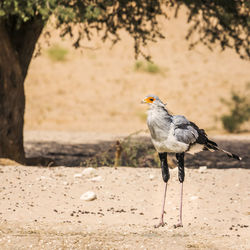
210 145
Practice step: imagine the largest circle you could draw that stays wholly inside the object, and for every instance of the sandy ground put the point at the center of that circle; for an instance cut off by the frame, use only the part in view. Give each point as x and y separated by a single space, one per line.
41 209
98 91
41 206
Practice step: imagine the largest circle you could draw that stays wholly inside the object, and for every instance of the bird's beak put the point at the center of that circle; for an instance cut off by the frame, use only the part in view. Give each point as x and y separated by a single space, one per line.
143 101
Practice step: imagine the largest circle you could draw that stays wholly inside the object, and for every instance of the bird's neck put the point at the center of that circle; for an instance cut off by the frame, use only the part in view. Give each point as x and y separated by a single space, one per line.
156 112
159 109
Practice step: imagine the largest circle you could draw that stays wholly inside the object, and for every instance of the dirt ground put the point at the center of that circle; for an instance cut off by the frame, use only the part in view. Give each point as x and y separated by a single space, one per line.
41 206
41 209
94 95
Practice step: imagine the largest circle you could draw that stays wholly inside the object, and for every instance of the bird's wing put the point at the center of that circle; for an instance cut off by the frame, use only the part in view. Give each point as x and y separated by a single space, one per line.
184 130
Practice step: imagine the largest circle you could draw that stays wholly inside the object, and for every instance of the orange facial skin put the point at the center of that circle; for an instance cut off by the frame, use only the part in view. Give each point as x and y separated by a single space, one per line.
149 99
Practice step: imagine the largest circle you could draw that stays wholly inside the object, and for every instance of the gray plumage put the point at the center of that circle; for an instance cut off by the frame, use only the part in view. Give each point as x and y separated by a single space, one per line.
175 133
183 130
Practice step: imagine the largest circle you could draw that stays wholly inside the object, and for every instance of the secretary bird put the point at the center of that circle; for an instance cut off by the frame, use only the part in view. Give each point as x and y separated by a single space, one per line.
175 134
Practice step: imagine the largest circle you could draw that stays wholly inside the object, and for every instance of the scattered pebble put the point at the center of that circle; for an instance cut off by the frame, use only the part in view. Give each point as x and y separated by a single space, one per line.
192 198
43 178
88 196
202 169
77 175
96 179
151 177
89 172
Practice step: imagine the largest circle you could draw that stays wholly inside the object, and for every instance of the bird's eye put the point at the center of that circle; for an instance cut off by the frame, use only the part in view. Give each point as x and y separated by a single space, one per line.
151 99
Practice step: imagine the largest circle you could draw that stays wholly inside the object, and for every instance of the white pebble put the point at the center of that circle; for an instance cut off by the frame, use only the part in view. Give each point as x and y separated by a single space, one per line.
89 172
192 198
43 178
96 179
151 177
77 175
88 196
202 169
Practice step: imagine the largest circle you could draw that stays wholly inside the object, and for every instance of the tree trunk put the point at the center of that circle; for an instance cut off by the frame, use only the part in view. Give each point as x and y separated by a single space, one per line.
16 50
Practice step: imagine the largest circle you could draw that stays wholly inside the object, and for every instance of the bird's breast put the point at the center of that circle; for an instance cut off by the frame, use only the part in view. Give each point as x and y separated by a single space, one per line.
164 139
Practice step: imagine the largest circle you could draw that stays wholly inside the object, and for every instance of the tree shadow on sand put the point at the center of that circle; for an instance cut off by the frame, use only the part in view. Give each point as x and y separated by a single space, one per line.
136 153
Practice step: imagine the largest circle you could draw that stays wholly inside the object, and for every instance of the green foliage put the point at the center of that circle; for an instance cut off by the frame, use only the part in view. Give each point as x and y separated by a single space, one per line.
139 65
152 68
92 12
223 22
65 14
57 53
24 11
239 112
147 66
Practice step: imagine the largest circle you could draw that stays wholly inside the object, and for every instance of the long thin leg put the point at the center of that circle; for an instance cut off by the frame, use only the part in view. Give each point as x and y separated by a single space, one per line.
165 176
161 223
181 175
180 218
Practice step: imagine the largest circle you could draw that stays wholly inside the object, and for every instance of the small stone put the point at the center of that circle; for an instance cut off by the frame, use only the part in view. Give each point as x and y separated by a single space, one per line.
77 175
202 169
151 177
88 196
192 198
89 172
96 179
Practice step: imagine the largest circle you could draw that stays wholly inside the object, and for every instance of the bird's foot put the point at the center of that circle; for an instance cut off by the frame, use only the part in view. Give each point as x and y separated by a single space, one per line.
161 224
178 225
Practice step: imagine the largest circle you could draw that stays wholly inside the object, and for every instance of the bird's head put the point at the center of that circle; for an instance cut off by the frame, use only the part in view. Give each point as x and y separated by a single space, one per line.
153 100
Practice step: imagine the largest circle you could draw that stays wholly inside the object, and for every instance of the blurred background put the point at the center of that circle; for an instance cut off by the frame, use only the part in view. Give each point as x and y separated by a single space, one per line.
98 88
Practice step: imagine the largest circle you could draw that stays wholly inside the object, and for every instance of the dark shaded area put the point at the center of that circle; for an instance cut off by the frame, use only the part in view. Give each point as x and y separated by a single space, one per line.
71 154
221 160
137 152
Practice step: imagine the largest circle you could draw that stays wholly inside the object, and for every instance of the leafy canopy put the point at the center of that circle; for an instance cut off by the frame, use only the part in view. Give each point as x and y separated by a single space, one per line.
226 22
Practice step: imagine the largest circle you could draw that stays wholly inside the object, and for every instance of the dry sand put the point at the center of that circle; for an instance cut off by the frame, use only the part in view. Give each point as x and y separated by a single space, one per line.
41 209
41 206
99 92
